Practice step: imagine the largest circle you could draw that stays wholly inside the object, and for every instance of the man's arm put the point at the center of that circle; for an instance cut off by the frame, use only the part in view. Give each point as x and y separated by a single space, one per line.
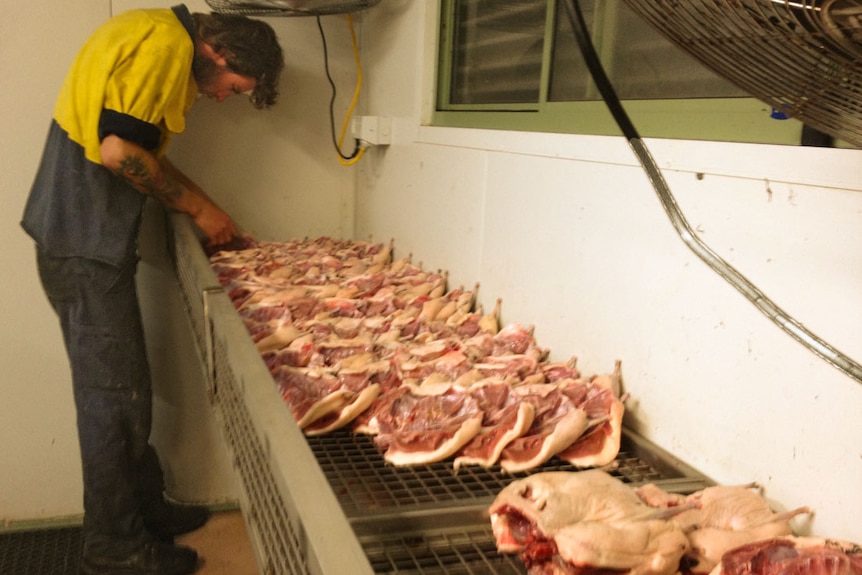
163 181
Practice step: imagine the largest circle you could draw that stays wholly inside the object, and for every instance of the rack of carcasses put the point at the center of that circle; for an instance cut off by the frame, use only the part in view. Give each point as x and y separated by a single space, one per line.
330 504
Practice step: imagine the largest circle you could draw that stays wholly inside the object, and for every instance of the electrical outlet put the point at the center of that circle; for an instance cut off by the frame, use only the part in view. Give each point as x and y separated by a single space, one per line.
372 130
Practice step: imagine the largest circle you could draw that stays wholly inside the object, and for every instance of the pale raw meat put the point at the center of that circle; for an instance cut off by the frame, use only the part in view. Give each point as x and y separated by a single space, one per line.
600 442
557 424
599 445
514 339
561 370
321 401
490 323
424 425
655 496
280 337
726 517
791 555
560 522
340 415
371 421
709 544
505 417
343 328
639 547
553 499
310 393
335 349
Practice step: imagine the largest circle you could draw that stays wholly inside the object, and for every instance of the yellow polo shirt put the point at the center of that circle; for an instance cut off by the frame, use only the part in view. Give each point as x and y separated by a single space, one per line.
132 78
136 70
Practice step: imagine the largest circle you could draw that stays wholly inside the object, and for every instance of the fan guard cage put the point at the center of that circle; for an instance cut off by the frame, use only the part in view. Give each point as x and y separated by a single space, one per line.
289 7
802 57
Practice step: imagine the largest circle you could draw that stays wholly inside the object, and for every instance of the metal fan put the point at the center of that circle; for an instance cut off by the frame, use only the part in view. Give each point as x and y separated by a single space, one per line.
803 57
289 7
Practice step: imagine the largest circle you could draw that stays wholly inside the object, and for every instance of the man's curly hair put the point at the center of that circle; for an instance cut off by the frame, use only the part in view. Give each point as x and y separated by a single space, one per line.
250 48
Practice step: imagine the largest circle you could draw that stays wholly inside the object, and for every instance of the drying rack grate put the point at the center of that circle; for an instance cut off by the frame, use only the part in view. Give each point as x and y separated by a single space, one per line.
456 552
426 519
431 519
363 482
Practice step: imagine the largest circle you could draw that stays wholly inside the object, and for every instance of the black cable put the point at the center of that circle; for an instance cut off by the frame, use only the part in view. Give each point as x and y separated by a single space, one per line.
588 51
678 220
332 99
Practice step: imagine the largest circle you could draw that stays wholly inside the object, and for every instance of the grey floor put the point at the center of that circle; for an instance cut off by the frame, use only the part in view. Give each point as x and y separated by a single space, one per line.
222 544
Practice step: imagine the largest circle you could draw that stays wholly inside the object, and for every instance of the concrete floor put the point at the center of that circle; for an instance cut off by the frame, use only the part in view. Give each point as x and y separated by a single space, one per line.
223 545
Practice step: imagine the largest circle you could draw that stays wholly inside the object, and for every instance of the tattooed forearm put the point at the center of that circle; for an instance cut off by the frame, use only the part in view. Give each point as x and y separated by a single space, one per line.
159 185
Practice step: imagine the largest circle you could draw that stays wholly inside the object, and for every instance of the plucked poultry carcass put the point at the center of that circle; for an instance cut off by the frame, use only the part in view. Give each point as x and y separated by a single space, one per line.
589 521
600 442
423 424
506 416
351 336
557 423
321 401
792 555
725 517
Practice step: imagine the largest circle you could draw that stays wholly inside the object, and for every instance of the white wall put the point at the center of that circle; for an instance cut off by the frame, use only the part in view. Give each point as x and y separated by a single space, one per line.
38 441
565 229
568 231
275 171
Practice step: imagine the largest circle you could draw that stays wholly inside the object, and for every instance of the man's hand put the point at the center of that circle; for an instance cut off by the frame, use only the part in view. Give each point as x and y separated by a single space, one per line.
216 224
159 178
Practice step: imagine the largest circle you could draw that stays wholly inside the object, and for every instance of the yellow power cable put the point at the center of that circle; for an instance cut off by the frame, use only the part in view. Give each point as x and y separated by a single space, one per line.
355 159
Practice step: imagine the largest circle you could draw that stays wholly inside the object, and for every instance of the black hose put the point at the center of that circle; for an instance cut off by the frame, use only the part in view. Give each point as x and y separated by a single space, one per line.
594 65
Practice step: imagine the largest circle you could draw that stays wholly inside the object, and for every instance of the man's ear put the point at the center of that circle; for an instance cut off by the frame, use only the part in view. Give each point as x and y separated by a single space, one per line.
210 53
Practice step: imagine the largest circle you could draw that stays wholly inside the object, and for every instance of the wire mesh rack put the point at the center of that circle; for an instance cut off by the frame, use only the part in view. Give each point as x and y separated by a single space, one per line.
279 547
460 551
299 492
363 482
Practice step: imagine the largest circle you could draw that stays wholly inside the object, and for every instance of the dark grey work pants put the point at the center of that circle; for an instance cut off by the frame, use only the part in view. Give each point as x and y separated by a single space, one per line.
101 321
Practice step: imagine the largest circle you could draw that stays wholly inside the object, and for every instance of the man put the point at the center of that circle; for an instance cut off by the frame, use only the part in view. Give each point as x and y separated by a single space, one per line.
126 94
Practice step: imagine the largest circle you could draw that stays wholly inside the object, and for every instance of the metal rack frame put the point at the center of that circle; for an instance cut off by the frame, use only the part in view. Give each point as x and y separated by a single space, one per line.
294 520
330 504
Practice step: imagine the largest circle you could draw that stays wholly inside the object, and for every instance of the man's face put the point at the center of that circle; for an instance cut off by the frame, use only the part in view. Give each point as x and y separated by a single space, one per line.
215 80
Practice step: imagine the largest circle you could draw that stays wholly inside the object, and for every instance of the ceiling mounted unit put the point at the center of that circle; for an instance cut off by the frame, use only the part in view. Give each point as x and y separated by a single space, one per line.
802 57
289 7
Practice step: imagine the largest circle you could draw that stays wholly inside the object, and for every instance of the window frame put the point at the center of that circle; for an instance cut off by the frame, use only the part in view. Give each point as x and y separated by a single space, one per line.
746 120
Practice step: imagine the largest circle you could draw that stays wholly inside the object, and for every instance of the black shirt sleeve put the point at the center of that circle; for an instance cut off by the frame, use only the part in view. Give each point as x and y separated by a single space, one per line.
129 128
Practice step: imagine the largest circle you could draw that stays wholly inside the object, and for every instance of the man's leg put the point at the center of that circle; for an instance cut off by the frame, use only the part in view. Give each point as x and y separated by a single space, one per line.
162 517
98 310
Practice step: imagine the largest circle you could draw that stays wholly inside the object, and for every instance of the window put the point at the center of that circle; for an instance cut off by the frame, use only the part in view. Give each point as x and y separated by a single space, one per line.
497 52
514 64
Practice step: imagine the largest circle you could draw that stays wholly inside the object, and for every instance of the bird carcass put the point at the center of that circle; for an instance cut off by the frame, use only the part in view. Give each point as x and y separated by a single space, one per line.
564 522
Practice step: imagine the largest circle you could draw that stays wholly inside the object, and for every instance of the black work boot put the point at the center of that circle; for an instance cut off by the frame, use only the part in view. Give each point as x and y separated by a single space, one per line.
165 519
152 558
